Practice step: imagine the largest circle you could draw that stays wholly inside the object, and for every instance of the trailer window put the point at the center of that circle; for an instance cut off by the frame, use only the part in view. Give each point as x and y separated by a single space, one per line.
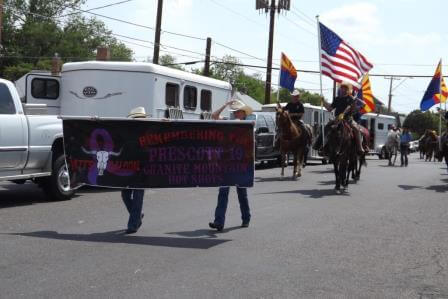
380 126
190 97
45 89
6 102
172 95
206 100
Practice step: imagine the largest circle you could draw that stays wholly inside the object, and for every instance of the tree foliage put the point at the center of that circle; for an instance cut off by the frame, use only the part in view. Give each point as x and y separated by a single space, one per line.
35 30
170 61
418 121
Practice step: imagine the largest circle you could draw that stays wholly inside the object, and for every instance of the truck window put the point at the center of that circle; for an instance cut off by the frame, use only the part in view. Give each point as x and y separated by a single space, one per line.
45 89
172 95
380 126
6 102
190 97
261 122
206 100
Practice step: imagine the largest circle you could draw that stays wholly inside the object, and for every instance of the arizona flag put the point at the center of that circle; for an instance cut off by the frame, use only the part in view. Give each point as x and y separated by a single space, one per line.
288 73
365 94
433 95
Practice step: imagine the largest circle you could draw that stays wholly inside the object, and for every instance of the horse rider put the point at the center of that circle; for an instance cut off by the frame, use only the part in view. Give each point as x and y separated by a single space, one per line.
296 110
344 106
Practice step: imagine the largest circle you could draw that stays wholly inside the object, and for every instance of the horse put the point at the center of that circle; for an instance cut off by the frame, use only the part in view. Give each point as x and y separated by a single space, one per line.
421 146
340 147
444 147
359 160
431 145
392 145
293 139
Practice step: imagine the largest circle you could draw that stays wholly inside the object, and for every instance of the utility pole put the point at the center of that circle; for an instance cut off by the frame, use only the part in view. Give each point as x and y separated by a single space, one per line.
278 5
155 58
207 57
391 78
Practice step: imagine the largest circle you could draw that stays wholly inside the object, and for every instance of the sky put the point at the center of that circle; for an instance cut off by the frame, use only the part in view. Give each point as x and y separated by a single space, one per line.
399 37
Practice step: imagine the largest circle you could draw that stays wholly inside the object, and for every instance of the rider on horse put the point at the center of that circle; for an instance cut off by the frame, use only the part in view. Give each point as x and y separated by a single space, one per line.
344 106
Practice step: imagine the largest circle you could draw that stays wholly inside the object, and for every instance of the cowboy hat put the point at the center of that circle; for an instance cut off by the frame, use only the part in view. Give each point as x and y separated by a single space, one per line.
137 112
347 85
296 92
238 105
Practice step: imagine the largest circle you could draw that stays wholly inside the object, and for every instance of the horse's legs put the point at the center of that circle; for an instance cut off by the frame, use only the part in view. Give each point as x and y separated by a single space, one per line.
336 174
395 151
296 164
282 155
300 158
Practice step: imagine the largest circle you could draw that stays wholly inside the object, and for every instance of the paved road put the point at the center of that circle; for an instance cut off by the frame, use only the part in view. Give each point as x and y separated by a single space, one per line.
386 239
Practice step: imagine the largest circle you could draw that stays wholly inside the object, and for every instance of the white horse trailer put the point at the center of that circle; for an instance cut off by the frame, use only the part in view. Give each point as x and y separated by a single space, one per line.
312 117
112 89
378 126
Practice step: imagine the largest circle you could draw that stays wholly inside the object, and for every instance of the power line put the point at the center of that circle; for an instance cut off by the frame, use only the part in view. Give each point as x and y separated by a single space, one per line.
99 7
303 28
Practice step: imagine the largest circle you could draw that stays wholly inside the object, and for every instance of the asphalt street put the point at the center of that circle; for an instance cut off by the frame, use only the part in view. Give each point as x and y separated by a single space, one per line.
386 238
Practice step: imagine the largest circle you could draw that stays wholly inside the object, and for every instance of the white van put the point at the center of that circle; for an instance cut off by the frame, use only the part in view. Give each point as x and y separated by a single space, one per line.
378 126
112 89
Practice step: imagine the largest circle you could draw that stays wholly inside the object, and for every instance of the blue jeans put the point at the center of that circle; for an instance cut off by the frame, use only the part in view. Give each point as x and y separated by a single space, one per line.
223 199
133 200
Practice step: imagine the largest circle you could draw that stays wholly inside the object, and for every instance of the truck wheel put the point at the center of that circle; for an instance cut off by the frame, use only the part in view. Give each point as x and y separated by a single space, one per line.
57 185
324 162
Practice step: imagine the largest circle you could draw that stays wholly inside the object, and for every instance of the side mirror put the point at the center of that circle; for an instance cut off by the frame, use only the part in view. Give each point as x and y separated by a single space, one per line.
262 130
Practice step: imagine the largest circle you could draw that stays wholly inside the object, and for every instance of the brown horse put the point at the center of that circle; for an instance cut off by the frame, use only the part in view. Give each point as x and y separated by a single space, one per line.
293 139
341 148
431 145
444 147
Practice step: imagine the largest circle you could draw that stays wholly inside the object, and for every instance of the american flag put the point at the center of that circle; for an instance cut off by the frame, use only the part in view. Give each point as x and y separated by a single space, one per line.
339 60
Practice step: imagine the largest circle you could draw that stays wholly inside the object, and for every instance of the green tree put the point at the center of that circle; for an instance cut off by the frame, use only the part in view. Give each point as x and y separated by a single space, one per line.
418 121
305 96
170 61
227 69
35 30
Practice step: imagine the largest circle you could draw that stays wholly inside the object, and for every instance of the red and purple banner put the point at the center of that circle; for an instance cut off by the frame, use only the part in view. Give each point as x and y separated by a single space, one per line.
159 154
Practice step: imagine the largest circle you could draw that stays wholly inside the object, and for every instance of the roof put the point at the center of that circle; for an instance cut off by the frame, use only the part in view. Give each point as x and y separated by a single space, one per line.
379 115
143 67
248 100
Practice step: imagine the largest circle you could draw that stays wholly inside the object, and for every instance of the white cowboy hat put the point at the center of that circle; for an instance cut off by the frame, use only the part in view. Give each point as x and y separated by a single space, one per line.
238 105
346 84
137 112
296 92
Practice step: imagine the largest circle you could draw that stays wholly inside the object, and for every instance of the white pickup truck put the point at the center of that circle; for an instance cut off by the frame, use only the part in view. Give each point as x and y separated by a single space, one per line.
31 146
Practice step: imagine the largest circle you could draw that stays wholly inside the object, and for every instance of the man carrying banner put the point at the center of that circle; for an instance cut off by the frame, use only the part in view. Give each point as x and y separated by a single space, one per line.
133 198
241 111
344 106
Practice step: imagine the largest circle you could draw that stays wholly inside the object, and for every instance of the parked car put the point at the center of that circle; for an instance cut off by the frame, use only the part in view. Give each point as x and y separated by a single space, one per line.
265 134
413 146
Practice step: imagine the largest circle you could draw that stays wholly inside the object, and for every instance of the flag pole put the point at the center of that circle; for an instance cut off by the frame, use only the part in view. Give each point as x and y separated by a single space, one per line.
320 77
440 103
278 81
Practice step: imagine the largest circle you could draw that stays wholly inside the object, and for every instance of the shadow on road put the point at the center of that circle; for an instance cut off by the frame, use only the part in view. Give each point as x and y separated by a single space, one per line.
323 171
204 232
437 188
118 237
312 193
13 195
278 178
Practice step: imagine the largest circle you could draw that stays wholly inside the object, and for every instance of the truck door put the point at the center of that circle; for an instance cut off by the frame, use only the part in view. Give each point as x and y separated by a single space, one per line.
261 137
13 133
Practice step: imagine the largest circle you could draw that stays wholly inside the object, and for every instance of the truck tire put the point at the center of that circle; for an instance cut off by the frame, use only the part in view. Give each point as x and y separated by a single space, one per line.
57 185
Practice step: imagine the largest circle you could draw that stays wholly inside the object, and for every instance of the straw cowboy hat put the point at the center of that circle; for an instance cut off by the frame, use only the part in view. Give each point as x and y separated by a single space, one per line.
137 112
296 92
347 85
238 105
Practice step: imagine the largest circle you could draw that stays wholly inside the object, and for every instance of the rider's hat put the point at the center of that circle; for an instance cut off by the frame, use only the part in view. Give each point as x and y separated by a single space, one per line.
296 92
137 112
347 85
238 105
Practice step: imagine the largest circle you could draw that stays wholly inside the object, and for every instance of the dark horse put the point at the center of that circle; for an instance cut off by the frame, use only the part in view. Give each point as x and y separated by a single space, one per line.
293 139
356 162
341 148
444 148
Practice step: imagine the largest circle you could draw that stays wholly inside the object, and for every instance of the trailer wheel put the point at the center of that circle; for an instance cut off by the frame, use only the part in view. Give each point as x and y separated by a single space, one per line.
57 185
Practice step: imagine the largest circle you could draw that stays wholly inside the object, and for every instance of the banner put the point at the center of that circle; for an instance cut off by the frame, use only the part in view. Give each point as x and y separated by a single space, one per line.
137 154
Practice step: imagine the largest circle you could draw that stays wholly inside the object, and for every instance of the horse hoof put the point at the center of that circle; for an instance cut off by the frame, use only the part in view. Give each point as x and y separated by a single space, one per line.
338 191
